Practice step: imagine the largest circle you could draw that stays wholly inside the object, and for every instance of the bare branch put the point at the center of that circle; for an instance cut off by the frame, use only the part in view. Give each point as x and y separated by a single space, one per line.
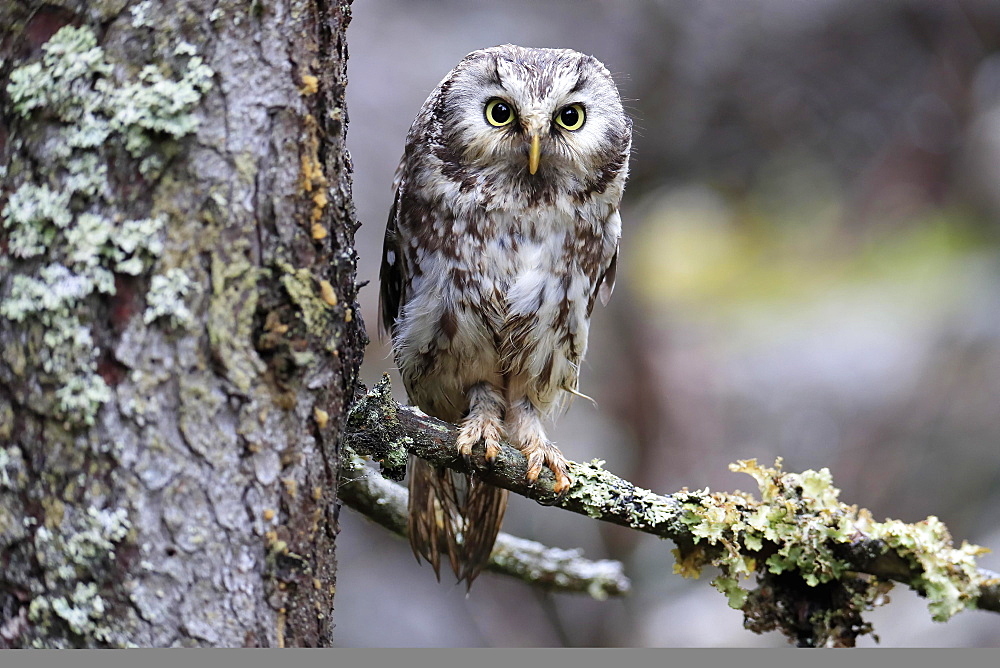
801 541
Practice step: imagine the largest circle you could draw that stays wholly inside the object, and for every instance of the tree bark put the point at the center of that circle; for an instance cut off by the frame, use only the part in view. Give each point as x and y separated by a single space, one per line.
179 334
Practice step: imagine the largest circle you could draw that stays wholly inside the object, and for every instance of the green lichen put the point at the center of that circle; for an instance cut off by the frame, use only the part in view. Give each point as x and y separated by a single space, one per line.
75 554
83 611
799 513
83 607
234 291
73 97
594 498
140 14
34 215
396 455
13 473
74 81
300 286
6 421
736 595
14 527
650 510
800 521
377 414
949 576
597 490
317 314
165 298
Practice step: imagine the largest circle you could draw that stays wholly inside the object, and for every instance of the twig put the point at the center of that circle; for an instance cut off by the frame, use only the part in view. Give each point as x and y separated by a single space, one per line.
554 569
798 528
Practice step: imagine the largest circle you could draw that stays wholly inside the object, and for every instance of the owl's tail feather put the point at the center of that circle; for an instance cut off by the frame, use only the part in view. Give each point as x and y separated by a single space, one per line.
456 514
483 515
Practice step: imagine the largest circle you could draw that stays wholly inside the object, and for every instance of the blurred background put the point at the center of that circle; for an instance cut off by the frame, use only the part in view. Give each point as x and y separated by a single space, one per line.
810 269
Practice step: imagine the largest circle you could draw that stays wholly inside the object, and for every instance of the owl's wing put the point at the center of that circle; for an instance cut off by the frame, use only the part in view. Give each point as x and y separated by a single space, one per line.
606 282
391 274
437 506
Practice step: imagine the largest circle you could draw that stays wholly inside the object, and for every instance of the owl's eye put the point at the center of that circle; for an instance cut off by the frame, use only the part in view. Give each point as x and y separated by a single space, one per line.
571 117
498 113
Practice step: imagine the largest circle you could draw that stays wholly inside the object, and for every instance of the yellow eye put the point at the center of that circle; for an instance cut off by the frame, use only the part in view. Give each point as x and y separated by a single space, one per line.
499 113
571 117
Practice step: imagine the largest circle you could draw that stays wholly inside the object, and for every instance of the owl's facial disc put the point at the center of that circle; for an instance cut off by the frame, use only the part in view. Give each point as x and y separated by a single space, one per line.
551 113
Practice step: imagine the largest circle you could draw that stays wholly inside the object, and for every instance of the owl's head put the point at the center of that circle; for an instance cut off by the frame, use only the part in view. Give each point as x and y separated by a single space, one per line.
531 116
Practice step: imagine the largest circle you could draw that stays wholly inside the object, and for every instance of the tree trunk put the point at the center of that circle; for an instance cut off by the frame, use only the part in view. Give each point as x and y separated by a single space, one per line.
179 336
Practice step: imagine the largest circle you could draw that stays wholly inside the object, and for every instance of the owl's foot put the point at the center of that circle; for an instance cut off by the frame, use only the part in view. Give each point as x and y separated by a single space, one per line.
483 423
543 453
524 426
478 427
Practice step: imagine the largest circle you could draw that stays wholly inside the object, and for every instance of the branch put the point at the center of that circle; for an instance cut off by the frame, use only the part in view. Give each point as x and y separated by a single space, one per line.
806 547
385 502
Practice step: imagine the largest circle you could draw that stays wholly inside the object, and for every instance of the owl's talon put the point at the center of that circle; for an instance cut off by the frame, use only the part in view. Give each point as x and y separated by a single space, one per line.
551 501
464 449
492 451
535 463
483 423
541 453
563 483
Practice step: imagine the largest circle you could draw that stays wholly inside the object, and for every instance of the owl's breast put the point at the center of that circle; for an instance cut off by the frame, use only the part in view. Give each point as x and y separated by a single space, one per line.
497 297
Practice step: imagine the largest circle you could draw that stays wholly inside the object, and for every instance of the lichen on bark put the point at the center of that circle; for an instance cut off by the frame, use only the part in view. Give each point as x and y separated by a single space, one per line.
150 182
69 227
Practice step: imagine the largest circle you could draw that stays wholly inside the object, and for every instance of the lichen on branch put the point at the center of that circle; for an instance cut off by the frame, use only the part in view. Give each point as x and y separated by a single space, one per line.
809 551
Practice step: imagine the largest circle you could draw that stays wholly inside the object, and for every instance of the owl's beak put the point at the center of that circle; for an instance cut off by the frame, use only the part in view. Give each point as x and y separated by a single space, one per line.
534 154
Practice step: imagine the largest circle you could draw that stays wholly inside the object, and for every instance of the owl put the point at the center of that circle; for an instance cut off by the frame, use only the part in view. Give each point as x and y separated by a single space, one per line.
503 232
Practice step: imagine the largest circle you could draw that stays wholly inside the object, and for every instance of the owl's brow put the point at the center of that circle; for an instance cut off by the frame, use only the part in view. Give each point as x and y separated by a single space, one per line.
581 79
493 73
580 84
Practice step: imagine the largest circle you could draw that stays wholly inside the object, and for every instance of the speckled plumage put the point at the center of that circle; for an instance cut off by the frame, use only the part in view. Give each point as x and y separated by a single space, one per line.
490 272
